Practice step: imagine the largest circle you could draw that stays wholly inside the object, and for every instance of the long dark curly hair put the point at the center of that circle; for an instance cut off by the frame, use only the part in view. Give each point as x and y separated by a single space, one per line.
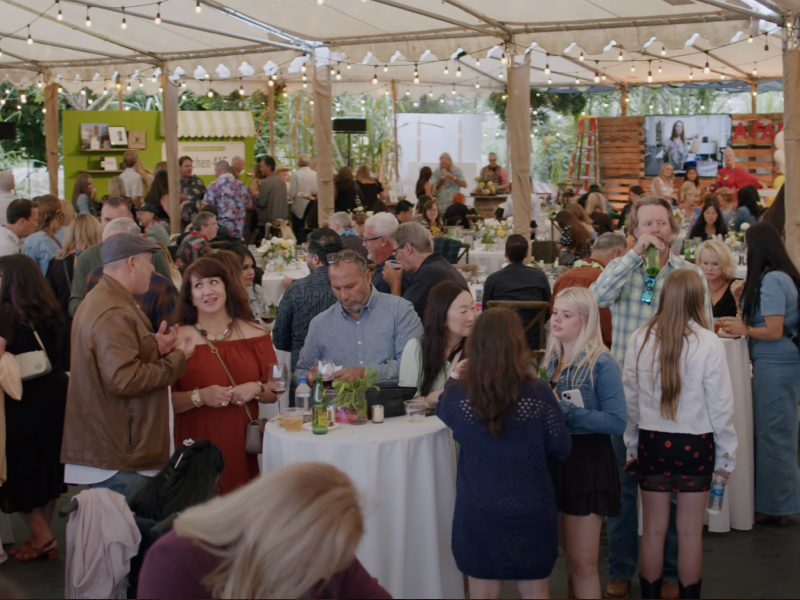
26 291
433 340
499 366
235 295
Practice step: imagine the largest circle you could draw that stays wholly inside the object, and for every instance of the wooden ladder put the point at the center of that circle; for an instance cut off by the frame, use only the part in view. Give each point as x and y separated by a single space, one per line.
584 168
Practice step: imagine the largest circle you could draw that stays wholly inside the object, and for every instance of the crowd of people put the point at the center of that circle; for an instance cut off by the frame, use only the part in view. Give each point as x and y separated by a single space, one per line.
632 399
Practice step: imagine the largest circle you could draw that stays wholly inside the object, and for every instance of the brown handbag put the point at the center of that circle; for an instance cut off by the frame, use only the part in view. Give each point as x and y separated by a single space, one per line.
254 431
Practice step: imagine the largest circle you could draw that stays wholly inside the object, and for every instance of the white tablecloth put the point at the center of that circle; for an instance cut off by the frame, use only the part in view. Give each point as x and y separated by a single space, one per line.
491 261
738 505
406 475
272 283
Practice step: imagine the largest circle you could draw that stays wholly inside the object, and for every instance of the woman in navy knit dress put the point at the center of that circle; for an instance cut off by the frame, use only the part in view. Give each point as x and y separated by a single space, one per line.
508 425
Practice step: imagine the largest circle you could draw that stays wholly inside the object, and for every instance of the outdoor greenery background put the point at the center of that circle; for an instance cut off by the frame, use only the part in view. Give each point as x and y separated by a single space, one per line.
554 119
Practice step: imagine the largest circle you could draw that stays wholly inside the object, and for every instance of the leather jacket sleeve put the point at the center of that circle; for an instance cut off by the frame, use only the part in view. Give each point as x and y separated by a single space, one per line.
129 363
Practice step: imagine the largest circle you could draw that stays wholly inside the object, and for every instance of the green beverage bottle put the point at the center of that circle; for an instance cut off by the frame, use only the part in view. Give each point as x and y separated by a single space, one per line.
651 264
319 423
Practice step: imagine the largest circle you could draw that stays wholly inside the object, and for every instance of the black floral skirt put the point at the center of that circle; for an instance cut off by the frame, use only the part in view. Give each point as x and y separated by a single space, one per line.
675 462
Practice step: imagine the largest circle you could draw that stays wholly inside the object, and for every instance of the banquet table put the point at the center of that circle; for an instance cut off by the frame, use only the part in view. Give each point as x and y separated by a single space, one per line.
738 505
272 282
405 473
491 260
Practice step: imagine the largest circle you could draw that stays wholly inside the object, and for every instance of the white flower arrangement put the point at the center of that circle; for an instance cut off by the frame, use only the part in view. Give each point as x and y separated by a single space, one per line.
277 251
744 227
495 231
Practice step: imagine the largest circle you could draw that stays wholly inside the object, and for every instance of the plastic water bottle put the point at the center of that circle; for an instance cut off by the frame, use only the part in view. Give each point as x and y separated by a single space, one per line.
716 495
302 395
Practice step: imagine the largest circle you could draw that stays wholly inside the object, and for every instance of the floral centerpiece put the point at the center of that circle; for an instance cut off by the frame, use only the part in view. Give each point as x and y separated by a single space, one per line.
494 232
352 395
485 187
277 253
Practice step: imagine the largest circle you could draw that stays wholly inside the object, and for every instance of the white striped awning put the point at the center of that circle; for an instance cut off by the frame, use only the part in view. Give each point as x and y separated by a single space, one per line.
219 124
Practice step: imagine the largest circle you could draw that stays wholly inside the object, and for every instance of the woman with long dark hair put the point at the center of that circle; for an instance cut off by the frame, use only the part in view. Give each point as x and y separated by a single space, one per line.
30 318
676 149
345 192
428 360
680 426
775 215
226 377
508 425
423 185
251 275
709 223
574 237
748 210
43 245
83 194
769 316
158 190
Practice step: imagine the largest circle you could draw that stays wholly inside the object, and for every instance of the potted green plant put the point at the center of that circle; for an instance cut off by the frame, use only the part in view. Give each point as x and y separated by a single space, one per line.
353 395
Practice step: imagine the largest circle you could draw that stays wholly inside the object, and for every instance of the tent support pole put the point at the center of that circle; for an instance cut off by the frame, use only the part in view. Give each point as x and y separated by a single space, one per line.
51 134
754 97
623 99
271 101
519 136
791 128
323 145
169 103
395 160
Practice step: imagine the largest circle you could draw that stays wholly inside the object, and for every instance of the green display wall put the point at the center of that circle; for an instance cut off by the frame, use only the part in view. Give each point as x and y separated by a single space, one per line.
77 160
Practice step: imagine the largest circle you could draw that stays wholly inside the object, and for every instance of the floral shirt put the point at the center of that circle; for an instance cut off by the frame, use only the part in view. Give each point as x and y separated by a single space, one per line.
231 198
192 247
193 190
498 175
448 189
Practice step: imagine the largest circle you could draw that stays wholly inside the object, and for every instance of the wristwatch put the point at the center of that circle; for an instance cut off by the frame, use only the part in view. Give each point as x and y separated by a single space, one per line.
261 385
196 399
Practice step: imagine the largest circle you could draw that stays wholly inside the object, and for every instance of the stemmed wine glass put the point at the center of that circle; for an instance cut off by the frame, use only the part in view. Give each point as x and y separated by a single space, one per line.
278 378
741 251
326 369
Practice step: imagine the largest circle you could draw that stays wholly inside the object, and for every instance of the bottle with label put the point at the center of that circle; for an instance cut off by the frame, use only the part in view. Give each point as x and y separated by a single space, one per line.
302 395
319 422
478 300
716 495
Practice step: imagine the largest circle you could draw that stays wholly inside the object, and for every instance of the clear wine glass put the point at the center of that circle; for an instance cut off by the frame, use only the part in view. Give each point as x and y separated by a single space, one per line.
741 254
326 369
278 378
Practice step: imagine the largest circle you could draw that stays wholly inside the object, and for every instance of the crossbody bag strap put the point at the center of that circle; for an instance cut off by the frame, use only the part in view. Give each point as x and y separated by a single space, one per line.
38 339
215 352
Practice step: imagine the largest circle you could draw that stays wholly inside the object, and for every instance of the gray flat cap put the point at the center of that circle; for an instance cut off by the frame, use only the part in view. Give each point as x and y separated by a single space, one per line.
123 245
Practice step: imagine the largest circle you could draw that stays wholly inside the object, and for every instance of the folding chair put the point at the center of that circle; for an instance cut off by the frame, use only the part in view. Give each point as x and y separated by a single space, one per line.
468 271
539 317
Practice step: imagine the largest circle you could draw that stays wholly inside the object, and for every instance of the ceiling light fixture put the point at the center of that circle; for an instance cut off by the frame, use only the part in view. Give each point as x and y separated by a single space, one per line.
88 18
157 20
197 7
124 24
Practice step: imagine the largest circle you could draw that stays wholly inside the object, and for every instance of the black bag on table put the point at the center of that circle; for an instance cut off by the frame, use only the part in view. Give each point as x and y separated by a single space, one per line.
391 398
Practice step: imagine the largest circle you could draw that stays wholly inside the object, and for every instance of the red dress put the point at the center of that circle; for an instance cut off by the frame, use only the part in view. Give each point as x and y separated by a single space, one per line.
248 360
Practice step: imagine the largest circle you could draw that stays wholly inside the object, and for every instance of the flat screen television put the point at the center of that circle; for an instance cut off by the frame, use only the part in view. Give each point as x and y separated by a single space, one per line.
686 140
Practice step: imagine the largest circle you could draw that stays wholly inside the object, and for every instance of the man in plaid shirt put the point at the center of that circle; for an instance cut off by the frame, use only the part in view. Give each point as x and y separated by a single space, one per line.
633 296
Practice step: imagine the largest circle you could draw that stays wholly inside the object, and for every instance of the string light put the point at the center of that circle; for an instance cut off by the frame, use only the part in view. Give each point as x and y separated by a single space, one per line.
446 69
197 7
349 66
503 59
375 77
338 75
580 58
128 87
547 65
750 40
83 92
385 69
274 76
453 91
500 75
477 85
270 83
766 43
549 81
633 67
620 55
691 76
304 78
596 77
88 18
241 90
659 68
755 70
60 16
603 77
157 20
458 71
722 76
706 69
39 84
416 74
663 50
430 94
302 68
577 81
210 94
30 39
649 75
477 62
141 83
333 71
124 24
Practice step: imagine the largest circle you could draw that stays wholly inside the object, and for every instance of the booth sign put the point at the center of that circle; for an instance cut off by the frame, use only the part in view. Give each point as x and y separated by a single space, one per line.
206 154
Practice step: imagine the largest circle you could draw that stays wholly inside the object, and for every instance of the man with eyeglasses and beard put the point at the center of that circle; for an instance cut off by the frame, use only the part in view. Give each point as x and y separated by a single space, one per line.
632 295
364 328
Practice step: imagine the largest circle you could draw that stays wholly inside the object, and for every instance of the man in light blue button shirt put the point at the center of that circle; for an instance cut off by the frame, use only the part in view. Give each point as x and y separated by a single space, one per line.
365 327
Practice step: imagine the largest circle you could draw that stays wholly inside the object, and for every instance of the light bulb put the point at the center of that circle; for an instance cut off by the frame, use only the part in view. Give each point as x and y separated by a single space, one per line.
577 80
691 76
60 16
416 79
706 69
750 40
660 69
620 55
581 56
241 91
157 20
22 98
305 78
44 110
124 24
458 72
441 100
755 93
649 77
302 68
333 71
603 77
118 86
83 92
210 94
633 67
446 70
385 69
197 7
38 84
547 69
549 81
663 51
702 107
500 75
755 71
722 76
477 62
453 91
88 19
375 78
60 90
416 71
305 85
503 59
270 83
430 94
141 83
349 66
160 89
30 39
596 78
128 87
338 75
477 86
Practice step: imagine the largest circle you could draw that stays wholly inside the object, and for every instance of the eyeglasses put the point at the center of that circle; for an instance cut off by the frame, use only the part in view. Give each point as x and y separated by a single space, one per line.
649 284
373 239
347 256
396 250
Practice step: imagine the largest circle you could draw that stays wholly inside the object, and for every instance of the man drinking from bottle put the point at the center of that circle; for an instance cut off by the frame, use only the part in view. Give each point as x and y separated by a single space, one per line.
632 295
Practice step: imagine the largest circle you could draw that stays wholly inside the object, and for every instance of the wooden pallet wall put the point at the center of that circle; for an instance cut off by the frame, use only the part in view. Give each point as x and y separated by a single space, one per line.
753 139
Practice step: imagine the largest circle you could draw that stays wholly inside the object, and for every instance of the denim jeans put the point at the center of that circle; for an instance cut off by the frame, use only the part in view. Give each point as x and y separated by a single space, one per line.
623 531
126 483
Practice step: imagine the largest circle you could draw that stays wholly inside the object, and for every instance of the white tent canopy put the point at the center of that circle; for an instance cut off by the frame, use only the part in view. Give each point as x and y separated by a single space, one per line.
236 43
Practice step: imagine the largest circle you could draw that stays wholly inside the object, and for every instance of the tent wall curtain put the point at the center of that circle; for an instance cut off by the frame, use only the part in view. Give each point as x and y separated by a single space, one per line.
323 143
518 124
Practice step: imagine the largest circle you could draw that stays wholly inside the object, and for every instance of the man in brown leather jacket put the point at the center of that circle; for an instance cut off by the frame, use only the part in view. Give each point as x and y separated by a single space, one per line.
116 430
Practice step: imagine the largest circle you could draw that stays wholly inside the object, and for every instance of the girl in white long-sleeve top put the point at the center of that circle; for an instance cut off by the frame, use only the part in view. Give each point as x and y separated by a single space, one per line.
680 426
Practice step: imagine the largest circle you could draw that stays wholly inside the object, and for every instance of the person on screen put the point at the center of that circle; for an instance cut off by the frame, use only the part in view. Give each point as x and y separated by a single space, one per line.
676 150
731 176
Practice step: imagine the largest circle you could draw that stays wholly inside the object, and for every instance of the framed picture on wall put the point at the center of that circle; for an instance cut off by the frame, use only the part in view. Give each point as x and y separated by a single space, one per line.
118 137
94 136
137 140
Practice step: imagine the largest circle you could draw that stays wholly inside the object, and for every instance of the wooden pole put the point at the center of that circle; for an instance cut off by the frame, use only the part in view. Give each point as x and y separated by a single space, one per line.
323 143
396 158
51 134
624 99
753 97
791 133
296 100
518 122
271 101
119 95
169 102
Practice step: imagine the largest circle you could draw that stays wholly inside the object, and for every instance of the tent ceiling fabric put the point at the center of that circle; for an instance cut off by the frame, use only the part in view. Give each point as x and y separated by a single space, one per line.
234 40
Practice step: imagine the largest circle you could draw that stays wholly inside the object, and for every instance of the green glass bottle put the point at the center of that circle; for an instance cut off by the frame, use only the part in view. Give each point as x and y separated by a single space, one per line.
319 423
651 264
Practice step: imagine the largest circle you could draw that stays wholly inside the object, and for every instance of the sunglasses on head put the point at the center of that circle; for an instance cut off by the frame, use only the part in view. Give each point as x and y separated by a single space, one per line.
347 256
649 284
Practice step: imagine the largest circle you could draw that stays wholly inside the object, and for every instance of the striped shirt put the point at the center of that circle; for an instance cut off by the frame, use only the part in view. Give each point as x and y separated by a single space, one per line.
620 288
